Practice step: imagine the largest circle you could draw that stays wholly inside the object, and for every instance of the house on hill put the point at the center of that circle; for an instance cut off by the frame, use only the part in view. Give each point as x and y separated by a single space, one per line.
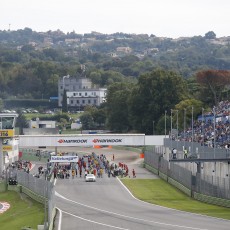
80 92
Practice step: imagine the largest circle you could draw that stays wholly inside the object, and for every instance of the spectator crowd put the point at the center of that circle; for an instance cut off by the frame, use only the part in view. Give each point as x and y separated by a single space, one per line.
91 164
208 133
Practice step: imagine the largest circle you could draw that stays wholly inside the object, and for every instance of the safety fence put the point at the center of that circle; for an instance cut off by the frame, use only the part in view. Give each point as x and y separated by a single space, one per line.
202 151
199 186
36 152
40 190
214 186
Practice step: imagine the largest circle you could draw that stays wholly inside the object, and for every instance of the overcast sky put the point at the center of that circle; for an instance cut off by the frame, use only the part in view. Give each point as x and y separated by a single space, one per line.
168 18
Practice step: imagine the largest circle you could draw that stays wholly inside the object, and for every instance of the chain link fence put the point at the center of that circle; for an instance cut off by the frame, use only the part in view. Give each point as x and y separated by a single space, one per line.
202 151
40 189
205 184
213 186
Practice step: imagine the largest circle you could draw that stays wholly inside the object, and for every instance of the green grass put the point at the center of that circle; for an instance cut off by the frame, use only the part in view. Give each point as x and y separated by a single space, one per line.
29 116
128 148
23 212
71 131
159 192
32 157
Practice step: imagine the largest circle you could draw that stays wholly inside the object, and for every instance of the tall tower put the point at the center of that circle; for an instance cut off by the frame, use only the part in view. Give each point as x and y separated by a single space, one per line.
8 144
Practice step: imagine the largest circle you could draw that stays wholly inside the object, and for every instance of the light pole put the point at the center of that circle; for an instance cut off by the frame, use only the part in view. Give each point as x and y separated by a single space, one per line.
80 126
177 129
192 129
202 126
153 127
184 124
63 81
45 204
214 127
177 122
63 87
171 129
165 123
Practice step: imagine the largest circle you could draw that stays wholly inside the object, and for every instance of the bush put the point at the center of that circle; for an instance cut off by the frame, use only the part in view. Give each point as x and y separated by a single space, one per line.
27 103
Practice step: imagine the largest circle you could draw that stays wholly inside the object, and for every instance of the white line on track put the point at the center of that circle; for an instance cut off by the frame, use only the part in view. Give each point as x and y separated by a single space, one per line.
60 218
95 222
130 217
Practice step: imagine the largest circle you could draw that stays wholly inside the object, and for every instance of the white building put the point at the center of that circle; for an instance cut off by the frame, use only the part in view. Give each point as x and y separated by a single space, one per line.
41 128
42 124
80 92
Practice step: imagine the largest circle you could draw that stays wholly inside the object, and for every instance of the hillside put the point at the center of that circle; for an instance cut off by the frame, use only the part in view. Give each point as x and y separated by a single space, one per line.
31 62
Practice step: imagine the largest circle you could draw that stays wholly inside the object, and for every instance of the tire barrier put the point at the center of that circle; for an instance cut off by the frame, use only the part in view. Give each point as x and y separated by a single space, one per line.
12 181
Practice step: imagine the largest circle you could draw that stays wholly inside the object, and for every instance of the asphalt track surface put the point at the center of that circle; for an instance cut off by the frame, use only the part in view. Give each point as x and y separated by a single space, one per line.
107 204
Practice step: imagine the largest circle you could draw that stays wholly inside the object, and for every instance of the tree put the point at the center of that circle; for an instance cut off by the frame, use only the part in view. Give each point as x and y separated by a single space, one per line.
87 120
160 127
98 116
215 81
156 92
52 83
186 109
117 107
210 35
1 104
63 123
21 122
27 48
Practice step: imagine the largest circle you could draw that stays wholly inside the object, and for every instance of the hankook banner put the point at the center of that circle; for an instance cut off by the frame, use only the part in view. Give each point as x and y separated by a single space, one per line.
82 140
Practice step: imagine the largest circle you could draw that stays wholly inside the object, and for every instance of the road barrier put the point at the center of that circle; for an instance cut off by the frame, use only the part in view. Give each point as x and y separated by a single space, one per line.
205 188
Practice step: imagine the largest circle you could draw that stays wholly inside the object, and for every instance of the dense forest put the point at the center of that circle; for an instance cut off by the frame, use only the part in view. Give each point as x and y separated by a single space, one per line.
146 76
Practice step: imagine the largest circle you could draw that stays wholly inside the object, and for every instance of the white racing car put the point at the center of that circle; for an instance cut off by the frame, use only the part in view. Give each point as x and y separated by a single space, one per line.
90 177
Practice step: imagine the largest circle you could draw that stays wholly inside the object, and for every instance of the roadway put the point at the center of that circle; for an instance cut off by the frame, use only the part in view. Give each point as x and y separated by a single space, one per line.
107 204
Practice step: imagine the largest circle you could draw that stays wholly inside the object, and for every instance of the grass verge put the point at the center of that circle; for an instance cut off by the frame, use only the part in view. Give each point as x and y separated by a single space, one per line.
23 212
31 157
156 191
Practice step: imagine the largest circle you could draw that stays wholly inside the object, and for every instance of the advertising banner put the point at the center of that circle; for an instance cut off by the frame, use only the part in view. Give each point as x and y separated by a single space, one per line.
7 148
7 144
6 133
64 159
82 140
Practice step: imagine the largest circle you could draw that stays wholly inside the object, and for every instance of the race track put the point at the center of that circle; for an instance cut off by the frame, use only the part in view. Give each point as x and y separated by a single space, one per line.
107 204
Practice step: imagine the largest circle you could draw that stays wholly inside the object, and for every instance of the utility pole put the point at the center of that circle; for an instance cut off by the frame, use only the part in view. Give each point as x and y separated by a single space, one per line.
153 127
165 123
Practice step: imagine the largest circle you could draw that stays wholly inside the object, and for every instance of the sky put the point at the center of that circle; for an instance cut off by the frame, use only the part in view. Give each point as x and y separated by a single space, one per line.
163 18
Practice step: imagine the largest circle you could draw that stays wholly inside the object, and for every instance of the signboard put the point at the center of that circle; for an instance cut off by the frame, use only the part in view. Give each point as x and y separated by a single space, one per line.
64 159
7 144
104 140
7 148
7 133
82 140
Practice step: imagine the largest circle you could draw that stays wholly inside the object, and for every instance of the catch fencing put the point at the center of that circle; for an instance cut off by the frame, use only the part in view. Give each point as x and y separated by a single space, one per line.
202 151
183 178
40 190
